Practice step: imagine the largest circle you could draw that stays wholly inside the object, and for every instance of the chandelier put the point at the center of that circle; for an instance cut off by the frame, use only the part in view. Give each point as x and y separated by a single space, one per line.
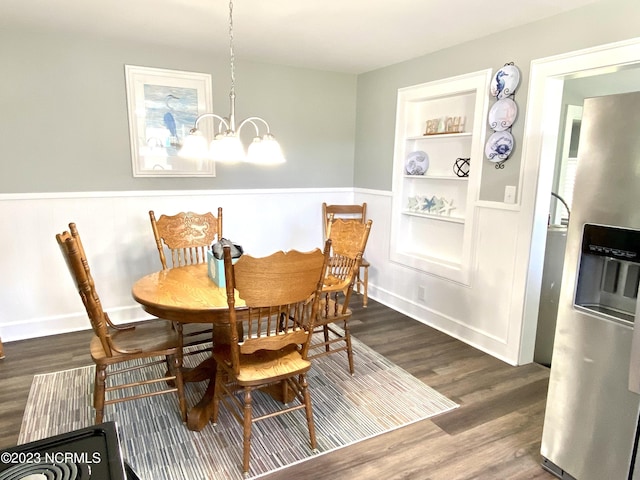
226 146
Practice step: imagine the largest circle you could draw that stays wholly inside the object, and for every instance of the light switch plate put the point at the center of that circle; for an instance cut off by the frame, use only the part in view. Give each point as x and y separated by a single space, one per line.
510 194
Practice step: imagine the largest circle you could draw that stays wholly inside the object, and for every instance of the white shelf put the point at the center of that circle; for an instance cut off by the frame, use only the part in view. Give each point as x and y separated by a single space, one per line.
438 261
442 218
436 177
440 136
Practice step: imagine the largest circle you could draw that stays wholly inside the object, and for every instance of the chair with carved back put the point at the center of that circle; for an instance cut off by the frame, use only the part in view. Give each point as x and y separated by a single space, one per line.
120 350
184 238
357 213
270 338
348 241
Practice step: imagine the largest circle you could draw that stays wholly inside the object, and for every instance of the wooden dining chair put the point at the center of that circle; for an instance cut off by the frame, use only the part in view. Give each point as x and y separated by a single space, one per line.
269 339
356 213
348 241
185 238
118 350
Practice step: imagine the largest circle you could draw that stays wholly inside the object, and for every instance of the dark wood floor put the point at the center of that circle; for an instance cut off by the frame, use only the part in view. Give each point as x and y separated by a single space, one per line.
495 434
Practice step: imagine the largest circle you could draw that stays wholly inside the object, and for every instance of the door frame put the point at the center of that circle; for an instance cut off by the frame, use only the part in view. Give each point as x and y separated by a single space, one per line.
544 102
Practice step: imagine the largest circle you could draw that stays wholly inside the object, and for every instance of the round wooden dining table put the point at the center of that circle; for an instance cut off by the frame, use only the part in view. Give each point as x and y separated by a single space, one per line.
187 295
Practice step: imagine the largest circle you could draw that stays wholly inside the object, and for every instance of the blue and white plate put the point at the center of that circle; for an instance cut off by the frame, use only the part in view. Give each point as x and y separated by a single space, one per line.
505 81
503 114
499 146
417 163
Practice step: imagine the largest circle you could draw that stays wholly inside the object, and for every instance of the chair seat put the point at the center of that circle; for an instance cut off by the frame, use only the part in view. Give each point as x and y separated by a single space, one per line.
154 335
332 314
265 366
333 283
193 334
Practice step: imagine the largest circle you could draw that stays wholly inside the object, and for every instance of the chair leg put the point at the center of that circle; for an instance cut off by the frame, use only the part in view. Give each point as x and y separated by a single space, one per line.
177 371
347 339
218 391
365 295
98 392
309 410
325 331
246 452
284 392
178 327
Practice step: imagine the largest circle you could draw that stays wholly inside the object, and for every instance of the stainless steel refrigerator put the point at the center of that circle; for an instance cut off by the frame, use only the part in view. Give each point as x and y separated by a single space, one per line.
591 421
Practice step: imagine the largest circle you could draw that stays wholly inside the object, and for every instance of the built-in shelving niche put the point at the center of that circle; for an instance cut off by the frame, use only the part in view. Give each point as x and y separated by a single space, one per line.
438 241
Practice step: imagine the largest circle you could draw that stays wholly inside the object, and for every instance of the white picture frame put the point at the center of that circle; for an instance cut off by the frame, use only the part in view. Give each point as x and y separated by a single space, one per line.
163 106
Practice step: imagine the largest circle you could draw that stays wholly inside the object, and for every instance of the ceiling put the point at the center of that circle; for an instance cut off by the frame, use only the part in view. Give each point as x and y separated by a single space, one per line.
351 36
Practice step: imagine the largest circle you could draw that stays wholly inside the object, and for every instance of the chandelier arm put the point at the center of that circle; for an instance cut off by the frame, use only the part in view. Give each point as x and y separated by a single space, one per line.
223 121
252 121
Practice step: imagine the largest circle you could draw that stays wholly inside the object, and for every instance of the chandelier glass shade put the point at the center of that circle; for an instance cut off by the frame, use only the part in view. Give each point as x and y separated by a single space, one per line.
226 146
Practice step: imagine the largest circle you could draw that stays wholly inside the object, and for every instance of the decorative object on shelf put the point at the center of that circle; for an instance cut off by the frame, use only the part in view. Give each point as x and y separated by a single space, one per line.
447 206
462 166
412 203
432 127
417 163
499 146
430 205
454 125
226 145
445 125
436 204
502 114
505 82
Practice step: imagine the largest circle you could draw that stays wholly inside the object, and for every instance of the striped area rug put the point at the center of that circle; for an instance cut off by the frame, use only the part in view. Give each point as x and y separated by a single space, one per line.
347 409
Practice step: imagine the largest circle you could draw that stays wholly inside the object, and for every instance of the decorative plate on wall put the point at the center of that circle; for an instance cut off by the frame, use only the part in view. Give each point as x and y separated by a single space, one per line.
499 146
505 81
503 114
417 163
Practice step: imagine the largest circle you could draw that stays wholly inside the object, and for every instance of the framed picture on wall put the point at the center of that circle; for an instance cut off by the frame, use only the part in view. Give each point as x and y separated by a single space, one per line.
163 106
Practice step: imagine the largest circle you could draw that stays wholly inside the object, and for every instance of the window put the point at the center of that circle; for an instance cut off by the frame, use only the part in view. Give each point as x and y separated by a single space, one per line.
568 165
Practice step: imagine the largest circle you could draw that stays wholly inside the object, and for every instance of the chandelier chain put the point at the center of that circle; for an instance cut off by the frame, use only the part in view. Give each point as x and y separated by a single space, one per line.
226 145
231 52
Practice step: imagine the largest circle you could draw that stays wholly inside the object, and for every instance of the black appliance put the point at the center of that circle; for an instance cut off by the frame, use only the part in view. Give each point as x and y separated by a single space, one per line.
91 453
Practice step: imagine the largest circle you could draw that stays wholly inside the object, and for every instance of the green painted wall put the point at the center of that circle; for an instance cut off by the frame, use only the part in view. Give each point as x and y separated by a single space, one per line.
603 22
64 124
64 120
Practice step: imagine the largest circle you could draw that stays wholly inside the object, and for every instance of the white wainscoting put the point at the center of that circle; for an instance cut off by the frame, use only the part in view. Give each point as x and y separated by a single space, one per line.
486 314
37 296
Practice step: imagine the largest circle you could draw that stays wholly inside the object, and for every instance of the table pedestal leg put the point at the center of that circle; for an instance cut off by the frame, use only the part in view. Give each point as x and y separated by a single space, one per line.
280 391
198 416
